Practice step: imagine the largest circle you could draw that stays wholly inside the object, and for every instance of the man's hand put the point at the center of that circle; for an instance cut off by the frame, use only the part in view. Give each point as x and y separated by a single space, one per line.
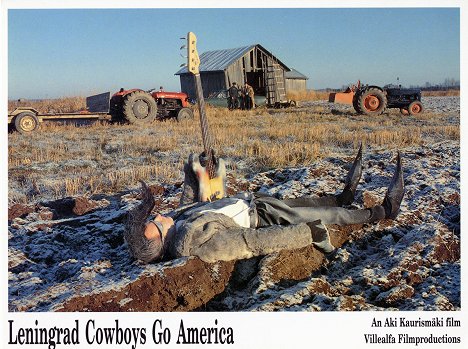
147 202
190 190
204 159
137 216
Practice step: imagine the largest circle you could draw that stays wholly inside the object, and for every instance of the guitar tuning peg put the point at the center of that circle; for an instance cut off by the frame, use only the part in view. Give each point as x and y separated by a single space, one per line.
183 56
183 38
183 65
183 47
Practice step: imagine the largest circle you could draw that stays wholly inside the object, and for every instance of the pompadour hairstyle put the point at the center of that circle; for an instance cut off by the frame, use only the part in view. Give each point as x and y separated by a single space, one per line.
140 247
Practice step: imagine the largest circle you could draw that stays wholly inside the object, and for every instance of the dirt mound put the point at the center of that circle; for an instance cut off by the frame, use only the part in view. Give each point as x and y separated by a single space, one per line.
19 210
71 206
178 288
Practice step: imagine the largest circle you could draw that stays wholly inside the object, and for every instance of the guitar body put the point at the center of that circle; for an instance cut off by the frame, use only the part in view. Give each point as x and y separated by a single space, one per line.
210 189
211 178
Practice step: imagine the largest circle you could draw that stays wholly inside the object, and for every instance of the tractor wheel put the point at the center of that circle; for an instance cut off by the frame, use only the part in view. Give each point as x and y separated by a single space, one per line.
26 122
356 106
139 108
404 111
184 114
415 107
372 101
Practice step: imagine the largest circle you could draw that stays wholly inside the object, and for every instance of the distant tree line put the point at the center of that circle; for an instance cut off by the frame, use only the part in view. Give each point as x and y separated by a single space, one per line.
448 84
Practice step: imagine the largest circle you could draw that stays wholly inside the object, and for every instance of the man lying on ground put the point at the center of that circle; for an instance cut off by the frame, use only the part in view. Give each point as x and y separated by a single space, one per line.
251 224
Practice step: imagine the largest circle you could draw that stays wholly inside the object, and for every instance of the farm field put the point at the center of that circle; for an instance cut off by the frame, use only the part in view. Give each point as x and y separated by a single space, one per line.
71 186
65 160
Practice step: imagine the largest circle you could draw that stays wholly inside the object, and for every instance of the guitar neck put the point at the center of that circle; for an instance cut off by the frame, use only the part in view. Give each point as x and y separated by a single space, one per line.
207 144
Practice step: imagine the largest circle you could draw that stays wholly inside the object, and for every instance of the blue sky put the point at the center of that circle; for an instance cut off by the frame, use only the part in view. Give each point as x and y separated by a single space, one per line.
79 52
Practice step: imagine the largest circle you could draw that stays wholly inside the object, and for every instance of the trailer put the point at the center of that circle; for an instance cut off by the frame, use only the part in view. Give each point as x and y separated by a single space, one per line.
27 119
131 106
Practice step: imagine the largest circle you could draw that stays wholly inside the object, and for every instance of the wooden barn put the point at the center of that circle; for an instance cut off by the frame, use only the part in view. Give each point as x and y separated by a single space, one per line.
252 64
295 81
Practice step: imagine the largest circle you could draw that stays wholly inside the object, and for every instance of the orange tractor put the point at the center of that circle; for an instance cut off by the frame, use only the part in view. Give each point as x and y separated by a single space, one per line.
373 100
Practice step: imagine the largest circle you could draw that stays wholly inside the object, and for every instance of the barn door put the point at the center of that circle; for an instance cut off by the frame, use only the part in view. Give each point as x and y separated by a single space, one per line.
257 81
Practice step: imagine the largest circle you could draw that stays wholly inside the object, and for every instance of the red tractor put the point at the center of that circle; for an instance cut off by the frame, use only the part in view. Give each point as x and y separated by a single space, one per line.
138 106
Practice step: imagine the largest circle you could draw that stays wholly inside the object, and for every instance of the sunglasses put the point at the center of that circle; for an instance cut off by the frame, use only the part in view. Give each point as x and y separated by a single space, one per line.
160 229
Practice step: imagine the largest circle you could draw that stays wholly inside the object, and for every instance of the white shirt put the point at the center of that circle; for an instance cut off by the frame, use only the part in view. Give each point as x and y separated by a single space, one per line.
237 209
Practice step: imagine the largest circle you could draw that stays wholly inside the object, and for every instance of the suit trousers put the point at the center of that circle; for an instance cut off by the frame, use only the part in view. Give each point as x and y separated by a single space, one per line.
309 209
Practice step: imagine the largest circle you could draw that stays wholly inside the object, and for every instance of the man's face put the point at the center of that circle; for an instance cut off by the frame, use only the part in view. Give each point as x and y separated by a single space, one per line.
152 231
167 223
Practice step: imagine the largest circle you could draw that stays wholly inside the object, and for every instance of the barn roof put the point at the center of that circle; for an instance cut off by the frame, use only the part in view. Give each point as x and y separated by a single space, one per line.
220 60
294 74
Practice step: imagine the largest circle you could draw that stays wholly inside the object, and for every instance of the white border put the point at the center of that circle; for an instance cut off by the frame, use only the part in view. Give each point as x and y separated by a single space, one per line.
286 330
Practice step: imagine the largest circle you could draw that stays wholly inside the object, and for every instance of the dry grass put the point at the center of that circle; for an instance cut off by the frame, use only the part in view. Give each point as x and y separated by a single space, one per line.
45 106
66 160
308 95
447 93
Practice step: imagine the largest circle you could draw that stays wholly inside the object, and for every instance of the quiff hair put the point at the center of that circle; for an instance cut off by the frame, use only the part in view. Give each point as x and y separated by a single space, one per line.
140 247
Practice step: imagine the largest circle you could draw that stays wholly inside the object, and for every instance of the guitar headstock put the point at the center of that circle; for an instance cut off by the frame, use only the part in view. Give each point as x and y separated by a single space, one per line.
193 61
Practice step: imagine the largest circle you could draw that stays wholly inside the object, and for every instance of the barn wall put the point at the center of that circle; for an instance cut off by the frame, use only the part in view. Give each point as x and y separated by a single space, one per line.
211 82
234 73
295 85
250 62
187 85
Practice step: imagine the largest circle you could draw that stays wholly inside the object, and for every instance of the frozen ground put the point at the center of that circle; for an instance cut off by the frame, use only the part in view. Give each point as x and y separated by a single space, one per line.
70 254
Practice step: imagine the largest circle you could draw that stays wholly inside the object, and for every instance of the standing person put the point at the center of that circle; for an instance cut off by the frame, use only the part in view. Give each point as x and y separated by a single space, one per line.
233 95
242 98
250 95
161 100
248 225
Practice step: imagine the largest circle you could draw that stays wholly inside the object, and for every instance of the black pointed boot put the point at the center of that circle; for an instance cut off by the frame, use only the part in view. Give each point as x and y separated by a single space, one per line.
352 179
395 192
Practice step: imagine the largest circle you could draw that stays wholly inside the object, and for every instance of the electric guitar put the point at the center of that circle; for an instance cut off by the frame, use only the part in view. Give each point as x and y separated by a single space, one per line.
211 177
